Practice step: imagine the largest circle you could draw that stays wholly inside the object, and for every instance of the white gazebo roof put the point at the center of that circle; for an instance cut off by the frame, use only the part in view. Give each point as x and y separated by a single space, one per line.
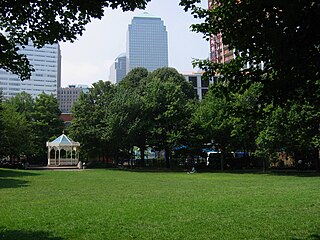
63 141
66 151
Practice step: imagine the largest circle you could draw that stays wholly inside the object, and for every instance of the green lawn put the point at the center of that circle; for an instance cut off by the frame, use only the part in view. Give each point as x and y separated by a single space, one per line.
106 204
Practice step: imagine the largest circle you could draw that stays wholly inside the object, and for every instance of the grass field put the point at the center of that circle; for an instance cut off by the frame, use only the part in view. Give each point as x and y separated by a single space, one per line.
106 204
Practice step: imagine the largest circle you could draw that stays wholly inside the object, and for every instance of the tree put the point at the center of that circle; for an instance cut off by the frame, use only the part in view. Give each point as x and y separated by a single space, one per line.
23 103
292 128
167 74
168 98
45 22
1 123
213 115
284 37
15 135
90 125
46 122
134 78
133 88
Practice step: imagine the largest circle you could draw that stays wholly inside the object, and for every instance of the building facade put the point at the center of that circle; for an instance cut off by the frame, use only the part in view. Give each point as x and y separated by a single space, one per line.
147 43
46 78
219 52
199 84
118 69
67 96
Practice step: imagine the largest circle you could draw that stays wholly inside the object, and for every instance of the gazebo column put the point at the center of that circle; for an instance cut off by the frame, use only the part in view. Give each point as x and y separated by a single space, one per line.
49 150
59 156
55 156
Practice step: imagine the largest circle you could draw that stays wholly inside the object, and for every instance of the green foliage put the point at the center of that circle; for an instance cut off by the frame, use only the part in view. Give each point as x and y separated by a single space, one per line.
46 121
23 103
134 78
144 109
229 118
27 125
16 132
283 36
47 22
291 128
167 74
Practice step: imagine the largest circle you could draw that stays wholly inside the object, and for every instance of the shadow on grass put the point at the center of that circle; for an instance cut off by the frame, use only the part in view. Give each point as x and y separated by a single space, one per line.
311 237
9 178
6 173
12 183
147 170
295 173
26 235
246 171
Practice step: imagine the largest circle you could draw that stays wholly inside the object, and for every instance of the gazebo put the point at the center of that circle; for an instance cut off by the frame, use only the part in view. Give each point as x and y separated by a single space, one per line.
63 151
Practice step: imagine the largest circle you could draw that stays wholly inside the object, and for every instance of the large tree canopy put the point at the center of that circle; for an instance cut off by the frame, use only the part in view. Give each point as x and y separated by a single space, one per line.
47 21
283 34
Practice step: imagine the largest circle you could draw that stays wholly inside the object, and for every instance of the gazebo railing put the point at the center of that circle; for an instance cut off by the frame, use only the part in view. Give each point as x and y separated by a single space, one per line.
64 162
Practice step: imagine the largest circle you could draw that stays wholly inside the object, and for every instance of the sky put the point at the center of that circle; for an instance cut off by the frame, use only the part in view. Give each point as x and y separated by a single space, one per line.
88 59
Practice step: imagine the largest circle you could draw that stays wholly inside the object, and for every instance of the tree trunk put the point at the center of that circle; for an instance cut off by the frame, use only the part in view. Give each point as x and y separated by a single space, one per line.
318 162
142 150
167 156
222 162
265 163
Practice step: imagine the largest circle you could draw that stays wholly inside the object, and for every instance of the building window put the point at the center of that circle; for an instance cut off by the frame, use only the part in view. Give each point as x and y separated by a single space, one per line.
204 92
204 82
194 81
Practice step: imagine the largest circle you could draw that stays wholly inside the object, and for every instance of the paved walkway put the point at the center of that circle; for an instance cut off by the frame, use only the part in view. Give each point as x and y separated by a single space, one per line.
37 167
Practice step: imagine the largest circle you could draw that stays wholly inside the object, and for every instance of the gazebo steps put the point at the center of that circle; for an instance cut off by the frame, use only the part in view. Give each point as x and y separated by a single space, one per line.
53 167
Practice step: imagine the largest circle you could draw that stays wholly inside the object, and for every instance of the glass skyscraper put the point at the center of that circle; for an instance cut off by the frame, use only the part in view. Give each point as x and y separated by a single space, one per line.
118 69
147 43
47 75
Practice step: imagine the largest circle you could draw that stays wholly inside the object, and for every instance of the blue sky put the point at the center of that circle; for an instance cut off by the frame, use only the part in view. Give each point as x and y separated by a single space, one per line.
88 59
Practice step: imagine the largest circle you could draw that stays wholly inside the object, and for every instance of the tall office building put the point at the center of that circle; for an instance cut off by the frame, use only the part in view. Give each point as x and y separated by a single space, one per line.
147 43
47 75
118 69
121 67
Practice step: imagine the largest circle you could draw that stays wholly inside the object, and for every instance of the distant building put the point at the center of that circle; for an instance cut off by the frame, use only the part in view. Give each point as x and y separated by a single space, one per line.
219 52
112 73
47 75
67 96
118 69
199 84
147 43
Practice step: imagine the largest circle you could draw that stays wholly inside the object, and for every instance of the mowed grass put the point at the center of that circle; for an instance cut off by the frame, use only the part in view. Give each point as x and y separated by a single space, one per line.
107 204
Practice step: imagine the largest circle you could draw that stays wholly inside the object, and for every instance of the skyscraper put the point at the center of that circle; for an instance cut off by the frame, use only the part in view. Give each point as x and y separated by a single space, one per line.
121 67
118 69
147 43
47 75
